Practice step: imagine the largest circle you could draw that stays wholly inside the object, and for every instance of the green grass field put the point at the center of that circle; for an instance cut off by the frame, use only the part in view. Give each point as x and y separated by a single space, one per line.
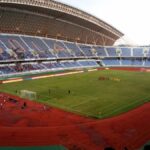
90 96
34 148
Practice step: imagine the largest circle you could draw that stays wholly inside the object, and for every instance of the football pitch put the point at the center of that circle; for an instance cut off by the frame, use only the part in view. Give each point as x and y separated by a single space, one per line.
87 94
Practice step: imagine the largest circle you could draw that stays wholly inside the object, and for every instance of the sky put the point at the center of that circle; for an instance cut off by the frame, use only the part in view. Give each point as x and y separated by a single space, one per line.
132 17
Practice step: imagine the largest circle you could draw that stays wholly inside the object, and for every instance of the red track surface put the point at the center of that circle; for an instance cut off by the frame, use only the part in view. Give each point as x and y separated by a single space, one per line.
127 69
36 125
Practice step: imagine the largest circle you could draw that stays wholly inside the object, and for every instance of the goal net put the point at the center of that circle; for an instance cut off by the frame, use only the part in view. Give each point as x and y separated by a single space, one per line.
28 94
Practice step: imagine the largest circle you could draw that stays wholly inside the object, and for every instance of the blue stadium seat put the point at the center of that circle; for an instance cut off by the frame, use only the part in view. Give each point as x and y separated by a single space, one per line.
137 62
126 62
88 63
147 63
74 49
58 48
38 47
125 52
138 52
111 51
87 50
100 51
111 62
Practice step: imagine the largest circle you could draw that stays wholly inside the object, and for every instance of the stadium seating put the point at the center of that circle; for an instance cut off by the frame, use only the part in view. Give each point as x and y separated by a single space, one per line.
111 62
88 63
58 48
125 52
147 63
138 52
100 51
126 62
6 70
74 49
87 50
37 47
111 51
15 47
4 54
147 54
70 64
25 54
137 62
45 66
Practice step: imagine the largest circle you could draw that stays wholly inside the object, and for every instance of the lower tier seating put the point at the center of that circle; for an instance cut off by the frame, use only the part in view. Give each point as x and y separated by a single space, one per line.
11 69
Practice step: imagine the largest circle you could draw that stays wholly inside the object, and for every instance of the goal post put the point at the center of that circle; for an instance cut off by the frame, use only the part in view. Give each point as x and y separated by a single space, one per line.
28 94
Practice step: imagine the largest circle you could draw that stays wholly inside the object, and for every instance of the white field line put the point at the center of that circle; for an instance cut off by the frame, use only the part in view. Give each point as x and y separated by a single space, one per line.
57 75
90 70
45 76
10 81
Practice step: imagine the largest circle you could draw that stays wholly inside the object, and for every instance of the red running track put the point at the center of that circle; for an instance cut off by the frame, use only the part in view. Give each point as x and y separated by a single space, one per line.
40 125
127 69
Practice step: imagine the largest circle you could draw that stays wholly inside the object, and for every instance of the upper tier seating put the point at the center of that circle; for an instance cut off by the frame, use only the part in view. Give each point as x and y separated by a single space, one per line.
87 50
15 47
148 52
111 51
100 51
74 49
37 47
126 52
4 54
58 48
138 52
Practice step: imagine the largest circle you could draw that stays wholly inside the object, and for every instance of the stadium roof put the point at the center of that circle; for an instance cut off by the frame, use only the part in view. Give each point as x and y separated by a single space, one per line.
90 29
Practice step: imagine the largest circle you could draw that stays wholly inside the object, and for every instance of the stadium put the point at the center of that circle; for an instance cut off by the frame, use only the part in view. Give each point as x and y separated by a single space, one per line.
63 83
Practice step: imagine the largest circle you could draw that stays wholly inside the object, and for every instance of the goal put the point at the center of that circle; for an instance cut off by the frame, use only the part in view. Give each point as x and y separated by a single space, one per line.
28 94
